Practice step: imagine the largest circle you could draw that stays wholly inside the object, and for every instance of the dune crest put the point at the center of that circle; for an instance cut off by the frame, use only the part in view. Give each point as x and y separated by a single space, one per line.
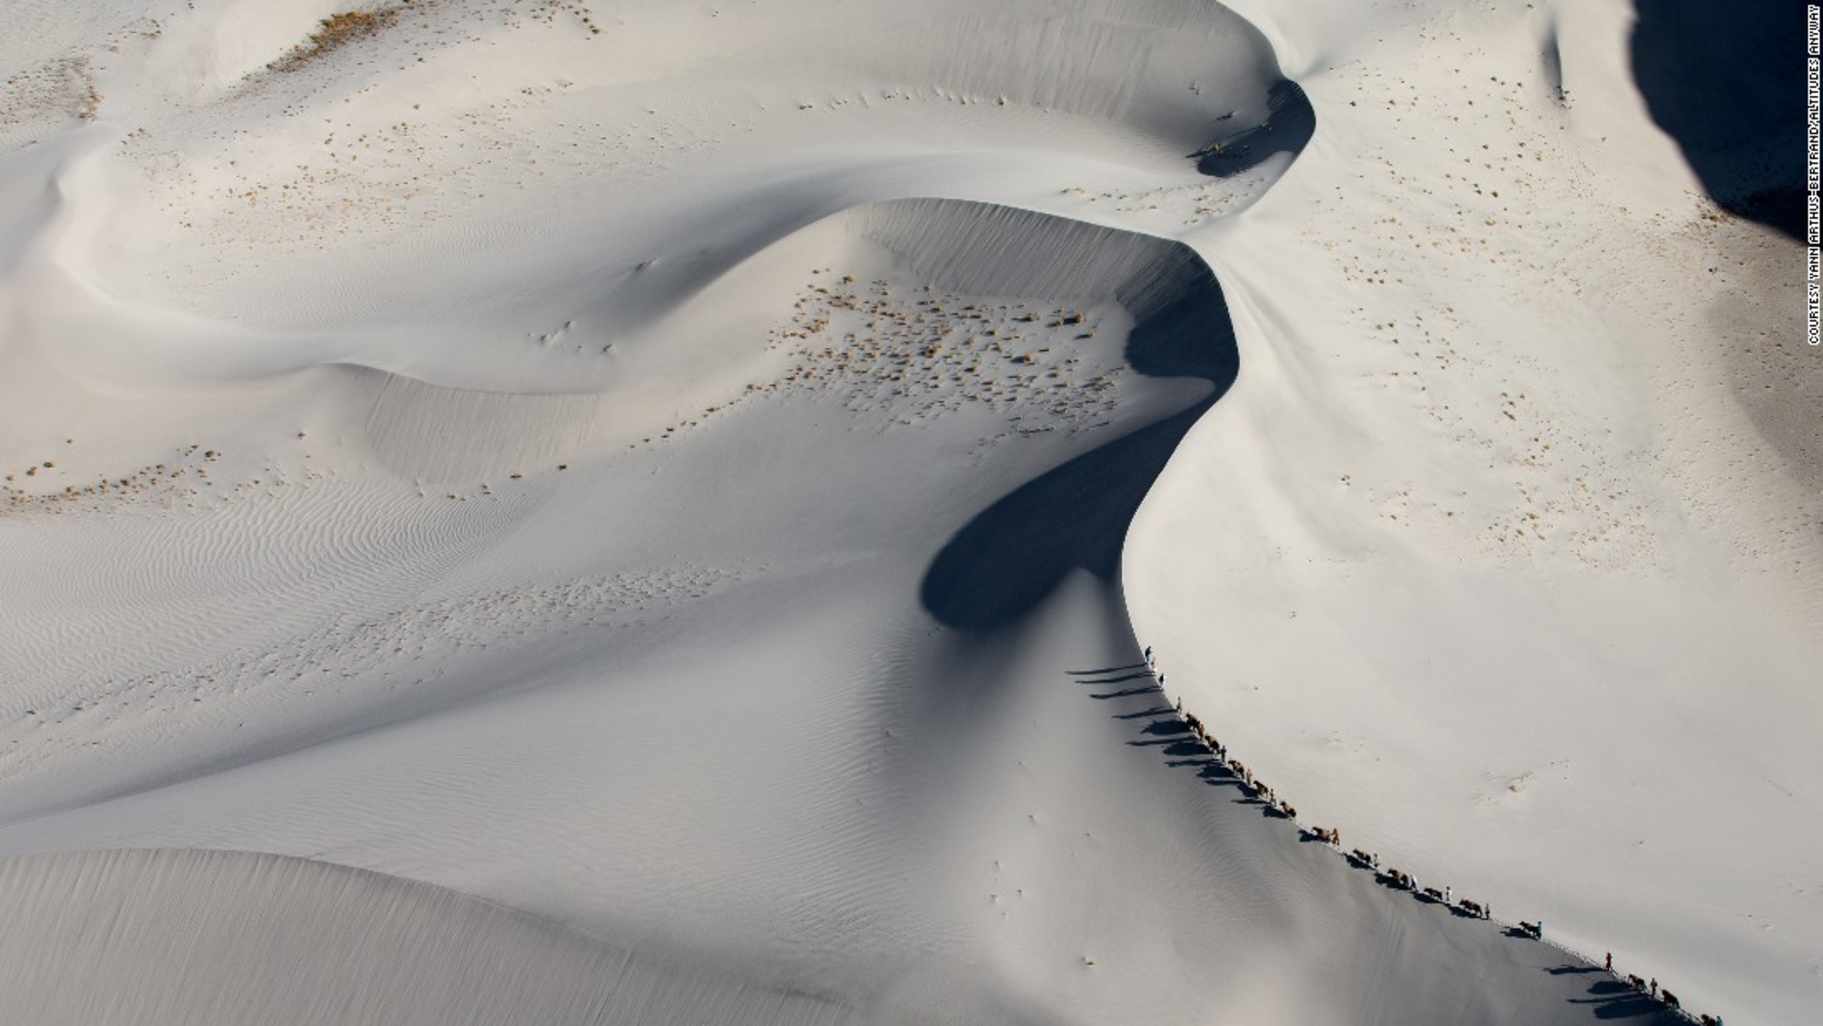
682 494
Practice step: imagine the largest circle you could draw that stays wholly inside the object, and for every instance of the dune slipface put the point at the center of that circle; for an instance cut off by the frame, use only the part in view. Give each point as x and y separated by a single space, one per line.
557 514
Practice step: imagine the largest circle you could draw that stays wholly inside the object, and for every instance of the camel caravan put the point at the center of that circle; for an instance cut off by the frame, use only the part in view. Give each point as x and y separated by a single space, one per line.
1370 861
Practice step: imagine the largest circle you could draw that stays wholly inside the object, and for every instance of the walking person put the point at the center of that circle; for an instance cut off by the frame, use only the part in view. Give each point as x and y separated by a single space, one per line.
1610 963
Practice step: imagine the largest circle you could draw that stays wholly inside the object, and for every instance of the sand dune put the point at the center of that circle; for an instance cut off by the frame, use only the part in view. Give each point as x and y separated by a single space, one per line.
197 936
570 512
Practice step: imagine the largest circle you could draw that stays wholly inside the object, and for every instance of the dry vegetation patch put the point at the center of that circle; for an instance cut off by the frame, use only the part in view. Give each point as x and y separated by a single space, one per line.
335 31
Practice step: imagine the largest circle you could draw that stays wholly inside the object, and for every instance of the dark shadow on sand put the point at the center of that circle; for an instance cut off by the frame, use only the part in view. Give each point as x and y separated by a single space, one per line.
1290 122
1157 710
1122 679
1166 728
1610 998
1126 693
1009 557
1726 81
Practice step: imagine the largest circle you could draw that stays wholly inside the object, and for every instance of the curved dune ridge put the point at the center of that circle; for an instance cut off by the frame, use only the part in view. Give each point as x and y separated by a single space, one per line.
714 362
334 555
179 233
881 797
202 936
645 513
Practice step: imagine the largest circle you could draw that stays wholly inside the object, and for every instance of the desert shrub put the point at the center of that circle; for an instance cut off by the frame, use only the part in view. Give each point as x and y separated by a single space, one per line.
335 31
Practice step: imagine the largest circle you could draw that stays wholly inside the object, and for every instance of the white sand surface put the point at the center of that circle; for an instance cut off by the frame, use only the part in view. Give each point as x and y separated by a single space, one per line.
1517 579
585 512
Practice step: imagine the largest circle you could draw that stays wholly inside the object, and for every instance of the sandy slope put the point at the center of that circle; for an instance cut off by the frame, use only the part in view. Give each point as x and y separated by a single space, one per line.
1532 606
666 470
789 774
193 936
